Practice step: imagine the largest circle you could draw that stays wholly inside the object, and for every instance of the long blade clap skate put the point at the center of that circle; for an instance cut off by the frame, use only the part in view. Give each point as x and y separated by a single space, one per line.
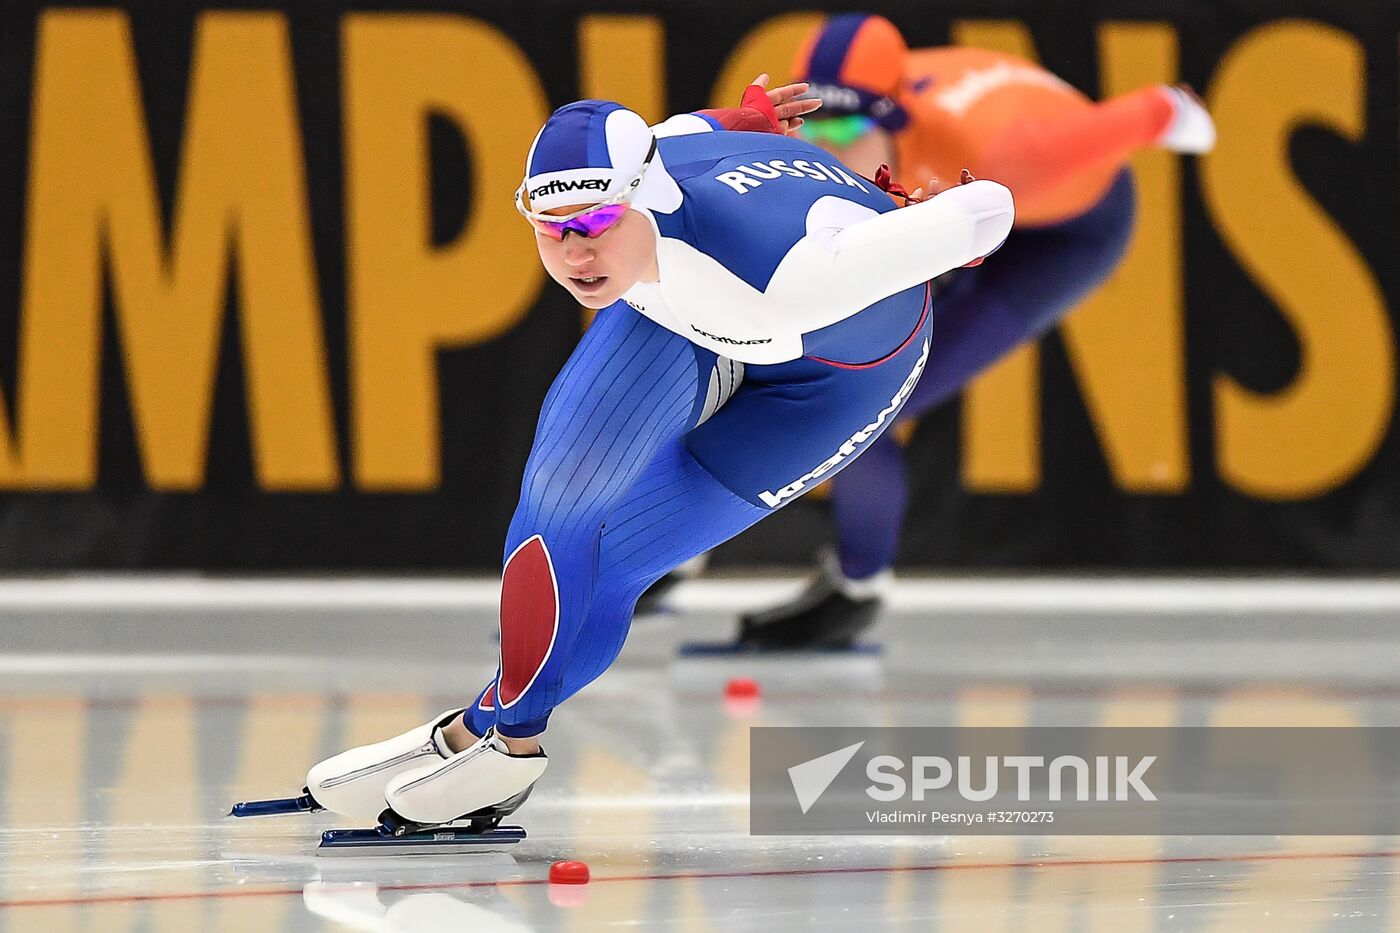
279 806
479 785
359 784
446 840
352 783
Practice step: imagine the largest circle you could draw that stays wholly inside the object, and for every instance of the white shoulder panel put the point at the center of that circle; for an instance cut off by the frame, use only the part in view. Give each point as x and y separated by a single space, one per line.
682 124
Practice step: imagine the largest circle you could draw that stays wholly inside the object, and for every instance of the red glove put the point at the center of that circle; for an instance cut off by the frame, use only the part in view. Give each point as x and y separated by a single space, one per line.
755 114
756 98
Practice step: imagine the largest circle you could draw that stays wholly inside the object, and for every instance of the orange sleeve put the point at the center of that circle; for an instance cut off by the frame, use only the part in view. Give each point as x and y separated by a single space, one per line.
1035 155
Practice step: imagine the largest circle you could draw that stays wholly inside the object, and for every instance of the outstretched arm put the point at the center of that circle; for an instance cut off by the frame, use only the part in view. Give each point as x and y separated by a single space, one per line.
1035 155
853 257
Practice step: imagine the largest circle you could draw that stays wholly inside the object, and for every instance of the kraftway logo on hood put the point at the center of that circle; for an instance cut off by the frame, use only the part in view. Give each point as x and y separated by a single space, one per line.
562 187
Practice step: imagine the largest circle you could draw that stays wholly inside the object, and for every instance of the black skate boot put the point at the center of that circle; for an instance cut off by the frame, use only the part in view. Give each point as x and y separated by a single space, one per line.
653 601
829 615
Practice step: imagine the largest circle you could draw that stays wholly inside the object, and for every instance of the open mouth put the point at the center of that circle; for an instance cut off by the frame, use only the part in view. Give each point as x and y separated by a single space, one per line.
588 283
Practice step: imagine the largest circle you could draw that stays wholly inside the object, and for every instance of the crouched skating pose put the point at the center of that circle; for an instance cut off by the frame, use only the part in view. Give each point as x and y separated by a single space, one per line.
764 314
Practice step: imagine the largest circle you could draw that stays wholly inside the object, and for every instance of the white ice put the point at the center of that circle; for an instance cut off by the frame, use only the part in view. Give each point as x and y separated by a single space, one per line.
133 714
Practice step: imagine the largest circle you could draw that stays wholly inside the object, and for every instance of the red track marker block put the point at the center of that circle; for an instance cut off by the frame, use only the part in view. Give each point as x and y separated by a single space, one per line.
568 873
741 688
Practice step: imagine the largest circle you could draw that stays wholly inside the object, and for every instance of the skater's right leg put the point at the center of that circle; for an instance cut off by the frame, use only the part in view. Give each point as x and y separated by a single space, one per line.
629 390
786 424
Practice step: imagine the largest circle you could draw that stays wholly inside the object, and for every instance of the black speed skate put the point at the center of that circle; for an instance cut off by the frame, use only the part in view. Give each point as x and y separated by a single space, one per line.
653 601
823 617
656 598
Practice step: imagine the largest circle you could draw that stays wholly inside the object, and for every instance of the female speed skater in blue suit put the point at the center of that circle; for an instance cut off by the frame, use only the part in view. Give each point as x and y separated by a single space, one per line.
764 313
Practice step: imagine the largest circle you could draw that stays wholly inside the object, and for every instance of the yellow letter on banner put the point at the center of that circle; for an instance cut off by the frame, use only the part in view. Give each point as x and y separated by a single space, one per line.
636 79
768 47
1319 431
1126 341
408 299
92 191
1001 407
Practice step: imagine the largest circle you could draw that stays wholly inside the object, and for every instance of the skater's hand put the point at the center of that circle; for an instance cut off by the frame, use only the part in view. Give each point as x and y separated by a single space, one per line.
784 101
935 187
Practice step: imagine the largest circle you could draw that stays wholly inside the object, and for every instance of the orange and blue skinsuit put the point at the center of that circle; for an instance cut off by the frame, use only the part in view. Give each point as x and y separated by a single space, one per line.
1062 155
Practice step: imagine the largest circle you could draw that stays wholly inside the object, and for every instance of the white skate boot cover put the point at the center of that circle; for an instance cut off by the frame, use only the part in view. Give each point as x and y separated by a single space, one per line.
477 777
352 783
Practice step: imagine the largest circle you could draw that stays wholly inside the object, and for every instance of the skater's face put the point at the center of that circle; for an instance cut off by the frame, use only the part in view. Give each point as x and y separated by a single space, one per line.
598 270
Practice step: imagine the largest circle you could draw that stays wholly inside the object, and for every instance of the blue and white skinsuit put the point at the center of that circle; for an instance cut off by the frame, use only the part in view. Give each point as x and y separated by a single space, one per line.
790 323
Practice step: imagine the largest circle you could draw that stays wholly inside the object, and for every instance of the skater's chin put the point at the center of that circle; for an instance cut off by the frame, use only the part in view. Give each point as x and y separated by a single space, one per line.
596 298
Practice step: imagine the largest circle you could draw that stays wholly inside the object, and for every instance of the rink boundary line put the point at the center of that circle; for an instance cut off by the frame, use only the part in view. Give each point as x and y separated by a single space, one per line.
1261 857
943 595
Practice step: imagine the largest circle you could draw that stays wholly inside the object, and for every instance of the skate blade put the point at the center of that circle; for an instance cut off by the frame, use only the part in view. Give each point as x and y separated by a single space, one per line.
442 841
279 806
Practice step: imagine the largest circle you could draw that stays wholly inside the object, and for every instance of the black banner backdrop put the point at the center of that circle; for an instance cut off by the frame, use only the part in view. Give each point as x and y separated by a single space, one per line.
266 304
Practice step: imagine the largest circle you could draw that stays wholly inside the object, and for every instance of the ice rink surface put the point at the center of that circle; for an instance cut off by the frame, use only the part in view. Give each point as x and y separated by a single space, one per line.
133 713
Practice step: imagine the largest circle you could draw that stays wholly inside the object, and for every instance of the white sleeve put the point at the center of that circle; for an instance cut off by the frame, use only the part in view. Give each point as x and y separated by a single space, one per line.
853 257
